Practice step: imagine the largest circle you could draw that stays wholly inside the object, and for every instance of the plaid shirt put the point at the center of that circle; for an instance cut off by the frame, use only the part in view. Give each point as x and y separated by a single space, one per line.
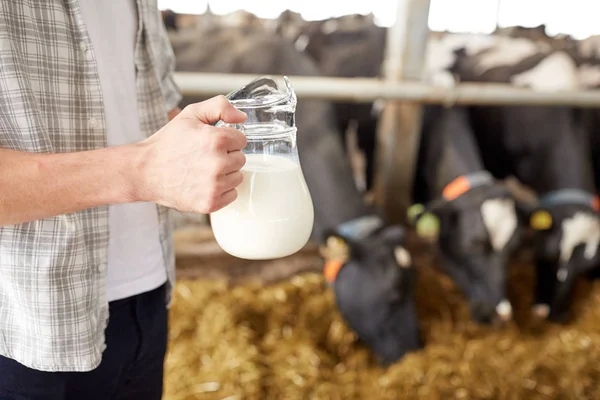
53 307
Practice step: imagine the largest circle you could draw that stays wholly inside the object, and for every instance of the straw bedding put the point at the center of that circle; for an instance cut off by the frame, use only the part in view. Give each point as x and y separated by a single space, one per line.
285 340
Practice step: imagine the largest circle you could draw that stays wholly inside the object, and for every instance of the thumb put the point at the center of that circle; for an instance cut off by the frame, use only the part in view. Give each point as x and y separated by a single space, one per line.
214 109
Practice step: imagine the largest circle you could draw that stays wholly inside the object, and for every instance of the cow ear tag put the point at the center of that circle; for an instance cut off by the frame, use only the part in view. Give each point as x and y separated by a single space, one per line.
413 213
428 225
541 220
335 252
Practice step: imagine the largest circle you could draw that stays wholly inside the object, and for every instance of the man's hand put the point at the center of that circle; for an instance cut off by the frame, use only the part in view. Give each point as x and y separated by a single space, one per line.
190 165
173 113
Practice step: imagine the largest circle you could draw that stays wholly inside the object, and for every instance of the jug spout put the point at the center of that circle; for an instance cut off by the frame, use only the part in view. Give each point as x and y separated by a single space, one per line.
264 91
266 100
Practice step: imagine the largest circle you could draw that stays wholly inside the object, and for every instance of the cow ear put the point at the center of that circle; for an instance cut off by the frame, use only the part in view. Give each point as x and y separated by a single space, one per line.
393 234
414 212
541 220
336 247
525 210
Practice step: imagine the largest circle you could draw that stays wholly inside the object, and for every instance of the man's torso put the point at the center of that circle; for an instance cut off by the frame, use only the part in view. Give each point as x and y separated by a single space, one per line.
53 300
135 262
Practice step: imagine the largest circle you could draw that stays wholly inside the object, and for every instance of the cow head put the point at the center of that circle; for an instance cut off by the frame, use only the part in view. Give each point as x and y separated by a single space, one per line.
477 228
568 234
373 279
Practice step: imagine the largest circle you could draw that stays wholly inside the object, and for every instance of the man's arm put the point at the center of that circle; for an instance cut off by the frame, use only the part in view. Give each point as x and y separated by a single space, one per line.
173 113
188 165
35 186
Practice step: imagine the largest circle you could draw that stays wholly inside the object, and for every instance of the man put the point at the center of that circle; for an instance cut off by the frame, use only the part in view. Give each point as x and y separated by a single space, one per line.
88 166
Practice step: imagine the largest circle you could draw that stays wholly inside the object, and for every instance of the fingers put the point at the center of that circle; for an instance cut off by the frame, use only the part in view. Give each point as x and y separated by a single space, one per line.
224 192
227 140
230 181
235 161
215 109
226 199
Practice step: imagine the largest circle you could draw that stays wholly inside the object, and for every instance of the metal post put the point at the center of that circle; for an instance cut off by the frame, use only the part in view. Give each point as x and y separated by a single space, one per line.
498 11
399 128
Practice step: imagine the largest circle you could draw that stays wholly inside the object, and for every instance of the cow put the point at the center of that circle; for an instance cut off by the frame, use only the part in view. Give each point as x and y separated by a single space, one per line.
169 19
545 148
480 220
587 57
354 46
367 264
348 46
538 34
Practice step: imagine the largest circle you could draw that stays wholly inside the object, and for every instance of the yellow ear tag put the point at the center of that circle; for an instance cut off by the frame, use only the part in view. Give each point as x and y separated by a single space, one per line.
541 220
413 211
428 225
336 252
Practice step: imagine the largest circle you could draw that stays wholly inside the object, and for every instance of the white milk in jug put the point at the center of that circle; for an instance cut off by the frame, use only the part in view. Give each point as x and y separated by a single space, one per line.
272 216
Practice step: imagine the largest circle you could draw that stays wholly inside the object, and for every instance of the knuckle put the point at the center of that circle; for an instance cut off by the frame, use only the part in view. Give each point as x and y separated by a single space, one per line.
219 141
218 167
234 195
211 202
222 101
239 178
190 108
205 207
239 160
242 138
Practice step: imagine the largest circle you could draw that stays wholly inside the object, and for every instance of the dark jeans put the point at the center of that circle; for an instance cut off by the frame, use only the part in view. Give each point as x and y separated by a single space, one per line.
131 367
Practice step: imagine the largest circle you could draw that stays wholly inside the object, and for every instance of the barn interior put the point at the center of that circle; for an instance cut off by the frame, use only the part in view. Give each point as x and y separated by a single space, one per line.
393 108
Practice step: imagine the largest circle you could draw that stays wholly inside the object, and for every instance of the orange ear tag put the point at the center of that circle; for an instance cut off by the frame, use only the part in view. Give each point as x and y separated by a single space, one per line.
331 269
457 187
596 203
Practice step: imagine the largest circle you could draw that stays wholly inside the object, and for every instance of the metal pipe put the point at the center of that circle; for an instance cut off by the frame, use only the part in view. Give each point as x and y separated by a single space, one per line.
369 89
400 123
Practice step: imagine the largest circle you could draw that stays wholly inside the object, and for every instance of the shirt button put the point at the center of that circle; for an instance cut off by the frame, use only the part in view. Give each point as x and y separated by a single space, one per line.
83 46
93 123
101 268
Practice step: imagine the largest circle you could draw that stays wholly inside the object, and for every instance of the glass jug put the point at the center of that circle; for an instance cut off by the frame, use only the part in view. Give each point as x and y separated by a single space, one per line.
273 214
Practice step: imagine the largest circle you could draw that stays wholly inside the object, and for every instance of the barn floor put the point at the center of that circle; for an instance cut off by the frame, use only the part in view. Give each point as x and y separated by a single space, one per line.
269 330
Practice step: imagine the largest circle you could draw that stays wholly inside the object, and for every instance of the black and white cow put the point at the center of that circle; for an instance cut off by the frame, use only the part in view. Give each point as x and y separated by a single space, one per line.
546 149
587 56
368 267
479 224
349 46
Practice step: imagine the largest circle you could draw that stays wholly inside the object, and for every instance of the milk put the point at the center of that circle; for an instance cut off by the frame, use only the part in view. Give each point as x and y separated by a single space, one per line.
272 216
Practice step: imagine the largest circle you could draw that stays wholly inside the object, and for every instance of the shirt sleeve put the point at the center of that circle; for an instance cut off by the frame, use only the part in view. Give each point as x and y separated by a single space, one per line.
165 65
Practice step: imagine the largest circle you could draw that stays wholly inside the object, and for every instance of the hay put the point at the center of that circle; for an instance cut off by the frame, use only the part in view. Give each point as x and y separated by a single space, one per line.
287 341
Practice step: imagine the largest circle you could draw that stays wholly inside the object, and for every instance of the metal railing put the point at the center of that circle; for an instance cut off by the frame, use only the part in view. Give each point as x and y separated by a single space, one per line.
369 89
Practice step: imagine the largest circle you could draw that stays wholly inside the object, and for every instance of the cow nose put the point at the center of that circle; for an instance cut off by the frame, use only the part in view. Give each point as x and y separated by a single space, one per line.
504 310
541 311
560 315
486 312
544 312
483 312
